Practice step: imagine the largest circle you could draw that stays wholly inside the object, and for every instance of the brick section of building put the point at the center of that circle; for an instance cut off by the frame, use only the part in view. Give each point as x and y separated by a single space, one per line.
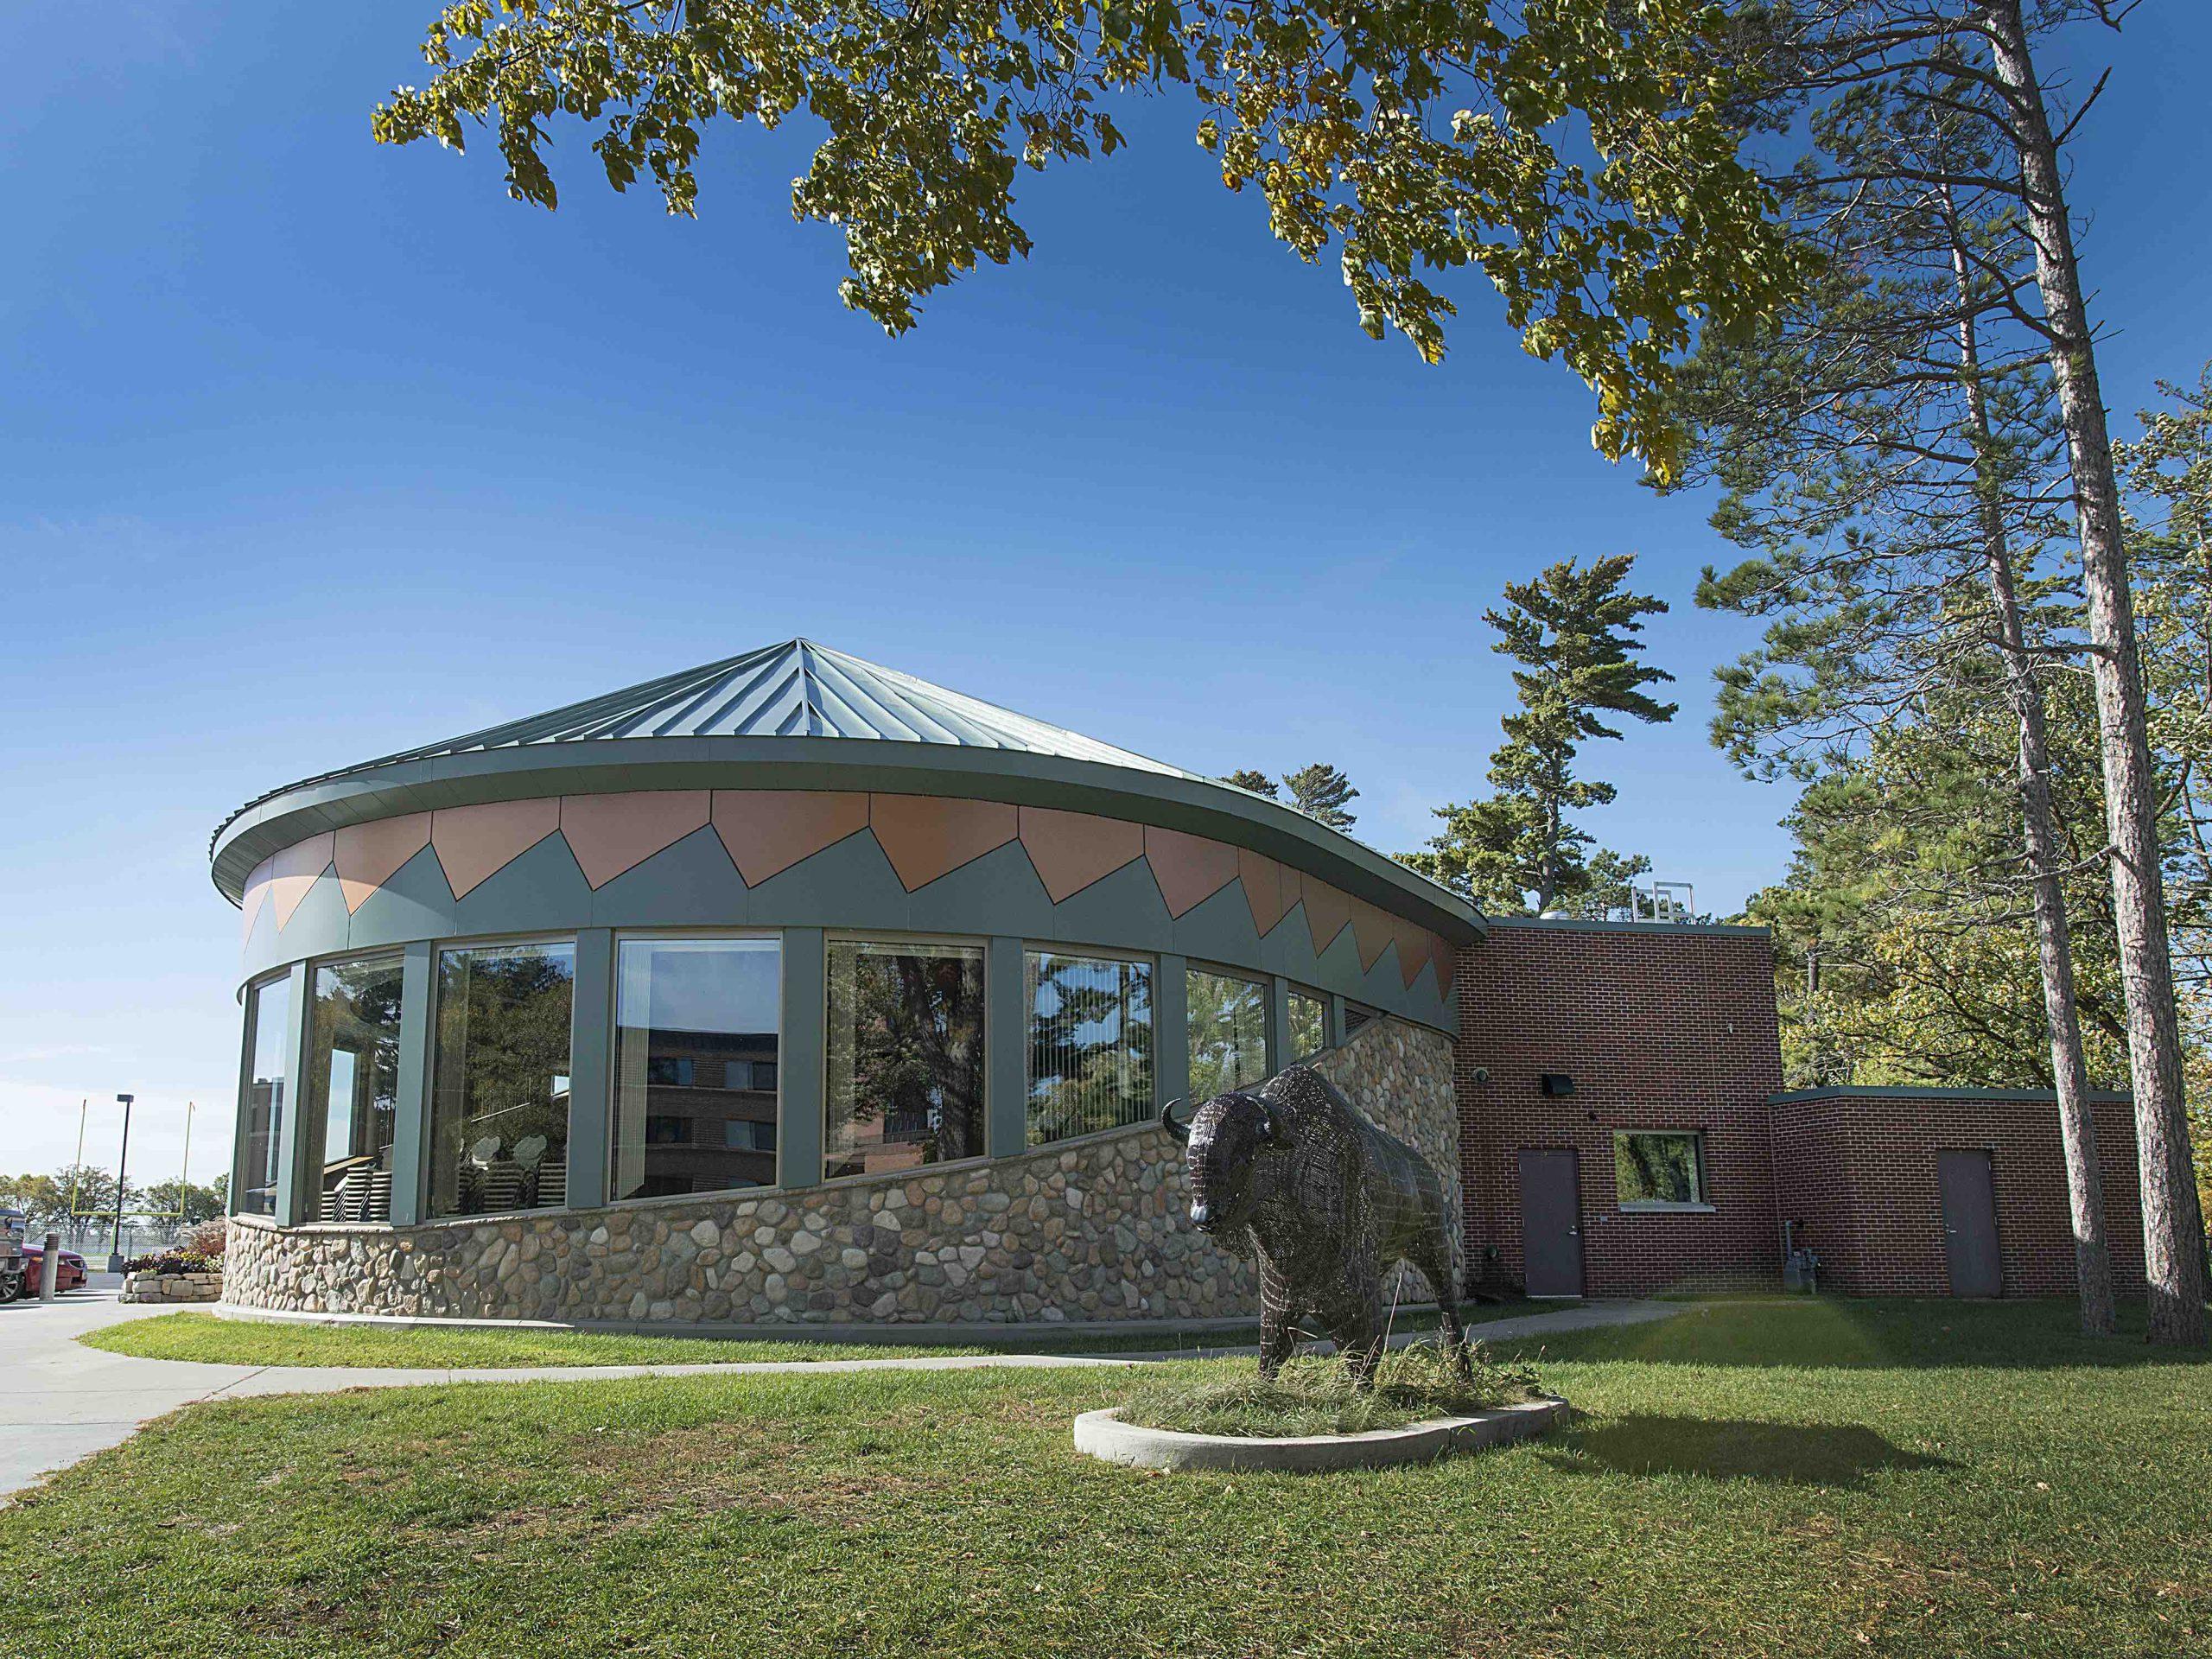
1660 1027
1858 1168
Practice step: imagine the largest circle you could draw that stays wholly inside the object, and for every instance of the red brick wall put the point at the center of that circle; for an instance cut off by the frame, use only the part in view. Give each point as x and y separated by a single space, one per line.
1660 1027
1859 1167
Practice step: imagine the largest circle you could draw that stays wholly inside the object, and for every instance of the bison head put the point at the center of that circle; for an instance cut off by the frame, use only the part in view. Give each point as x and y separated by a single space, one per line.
1226 1138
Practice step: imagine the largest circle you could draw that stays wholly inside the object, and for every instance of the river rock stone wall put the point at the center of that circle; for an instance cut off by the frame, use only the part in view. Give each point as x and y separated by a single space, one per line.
1093 1231
1400 1076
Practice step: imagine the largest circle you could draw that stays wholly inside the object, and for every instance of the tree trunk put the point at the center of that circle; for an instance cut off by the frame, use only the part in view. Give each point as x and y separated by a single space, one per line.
2069 1070
2173 1237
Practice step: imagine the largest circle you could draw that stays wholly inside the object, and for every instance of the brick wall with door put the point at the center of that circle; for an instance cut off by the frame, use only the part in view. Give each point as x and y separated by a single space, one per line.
1662 1028
1862 1168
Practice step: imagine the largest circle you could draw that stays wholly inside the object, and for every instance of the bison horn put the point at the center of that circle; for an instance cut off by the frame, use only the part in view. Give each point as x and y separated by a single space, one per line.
1276 1131
1180 1131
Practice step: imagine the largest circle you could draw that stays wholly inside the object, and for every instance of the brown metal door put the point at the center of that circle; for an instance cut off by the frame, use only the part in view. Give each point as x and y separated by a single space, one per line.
1969 1224
1551 1221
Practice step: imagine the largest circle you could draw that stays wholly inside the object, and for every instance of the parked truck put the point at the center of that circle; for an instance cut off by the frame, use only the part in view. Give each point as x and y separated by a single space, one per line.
14 1274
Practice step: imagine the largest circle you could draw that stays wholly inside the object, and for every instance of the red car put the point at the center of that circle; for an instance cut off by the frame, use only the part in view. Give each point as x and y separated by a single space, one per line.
70 1275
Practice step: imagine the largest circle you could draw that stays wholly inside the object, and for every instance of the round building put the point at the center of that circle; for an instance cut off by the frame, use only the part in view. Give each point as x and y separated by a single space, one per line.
789 989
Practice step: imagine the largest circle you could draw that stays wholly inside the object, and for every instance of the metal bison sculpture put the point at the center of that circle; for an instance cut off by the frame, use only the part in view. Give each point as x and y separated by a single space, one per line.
1296 1176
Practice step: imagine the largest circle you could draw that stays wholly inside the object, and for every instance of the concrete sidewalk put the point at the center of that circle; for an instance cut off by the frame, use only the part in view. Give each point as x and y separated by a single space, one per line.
63 1401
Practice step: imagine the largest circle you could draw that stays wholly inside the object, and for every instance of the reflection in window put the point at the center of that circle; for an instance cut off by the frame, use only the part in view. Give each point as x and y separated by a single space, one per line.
749 1134
1229 1033
268 1015
1656 1169
695 1041
354 1084
906 1059
500 1106
1089 1043
1309 1025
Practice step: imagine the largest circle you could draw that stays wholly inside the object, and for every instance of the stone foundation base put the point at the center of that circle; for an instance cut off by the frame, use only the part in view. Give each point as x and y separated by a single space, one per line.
1092 1230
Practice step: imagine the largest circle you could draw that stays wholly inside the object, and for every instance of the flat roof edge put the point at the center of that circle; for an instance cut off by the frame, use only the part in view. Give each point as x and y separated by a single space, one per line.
1582 924
1921 1091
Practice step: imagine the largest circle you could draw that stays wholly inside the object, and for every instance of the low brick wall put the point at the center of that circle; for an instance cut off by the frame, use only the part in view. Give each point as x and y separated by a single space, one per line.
172 1287
1096 1228
1857 1167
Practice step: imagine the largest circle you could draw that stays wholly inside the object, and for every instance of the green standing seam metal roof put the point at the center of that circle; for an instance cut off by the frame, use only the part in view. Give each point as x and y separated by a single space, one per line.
798 689
801 690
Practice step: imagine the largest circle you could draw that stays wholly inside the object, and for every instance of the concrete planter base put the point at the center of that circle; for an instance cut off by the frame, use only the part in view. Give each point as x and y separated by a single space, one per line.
1103 1435
172 1287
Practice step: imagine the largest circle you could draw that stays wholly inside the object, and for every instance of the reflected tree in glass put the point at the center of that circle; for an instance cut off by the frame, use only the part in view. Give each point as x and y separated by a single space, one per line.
1090 1044
1228 1024
1657 1168
499 1112
905 1056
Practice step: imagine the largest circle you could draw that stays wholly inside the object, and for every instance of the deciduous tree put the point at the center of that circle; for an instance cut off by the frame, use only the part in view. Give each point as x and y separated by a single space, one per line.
1580 154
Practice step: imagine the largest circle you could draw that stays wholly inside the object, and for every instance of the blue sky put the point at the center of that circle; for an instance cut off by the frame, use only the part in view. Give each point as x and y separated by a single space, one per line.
314 449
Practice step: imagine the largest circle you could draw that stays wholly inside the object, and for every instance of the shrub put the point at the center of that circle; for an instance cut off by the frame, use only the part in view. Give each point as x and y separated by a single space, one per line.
208 1238
1319 1396
174 1261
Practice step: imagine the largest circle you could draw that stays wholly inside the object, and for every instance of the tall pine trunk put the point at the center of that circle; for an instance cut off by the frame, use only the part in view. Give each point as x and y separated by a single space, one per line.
2054 945
2173 1237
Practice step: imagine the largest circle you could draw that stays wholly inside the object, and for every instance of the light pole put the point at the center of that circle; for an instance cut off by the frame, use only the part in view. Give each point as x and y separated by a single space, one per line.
122 1167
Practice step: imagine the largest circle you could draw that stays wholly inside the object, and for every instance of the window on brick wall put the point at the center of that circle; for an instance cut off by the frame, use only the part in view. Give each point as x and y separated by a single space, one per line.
1660 1169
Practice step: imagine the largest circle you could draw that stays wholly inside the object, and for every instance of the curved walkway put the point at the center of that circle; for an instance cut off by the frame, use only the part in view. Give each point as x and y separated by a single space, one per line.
63 1401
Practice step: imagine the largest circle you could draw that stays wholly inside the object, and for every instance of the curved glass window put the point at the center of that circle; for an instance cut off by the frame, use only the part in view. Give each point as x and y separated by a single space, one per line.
261 1115
1089 1043
905 1056
354 1084
697 1025
499 1100
1309 1024
1228 1020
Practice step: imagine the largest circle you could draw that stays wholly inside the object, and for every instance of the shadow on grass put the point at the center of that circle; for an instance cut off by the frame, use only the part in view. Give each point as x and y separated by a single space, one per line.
1792 1455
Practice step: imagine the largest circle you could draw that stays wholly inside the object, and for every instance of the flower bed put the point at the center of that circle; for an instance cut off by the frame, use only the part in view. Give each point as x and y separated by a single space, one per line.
1420 1383
173 1276
1104 1435
1427 1401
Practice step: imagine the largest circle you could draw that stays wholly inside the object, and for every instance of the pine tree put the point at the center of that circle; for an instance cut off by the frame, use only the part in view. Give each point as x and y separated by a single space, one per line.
1319 792
1951 127
1572 630
1886 449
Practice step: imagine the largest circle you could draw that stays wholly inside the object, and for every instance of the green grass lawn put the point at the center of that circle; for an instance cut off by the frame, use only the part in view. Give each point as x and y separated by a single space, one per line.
1786 1480
246 1342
